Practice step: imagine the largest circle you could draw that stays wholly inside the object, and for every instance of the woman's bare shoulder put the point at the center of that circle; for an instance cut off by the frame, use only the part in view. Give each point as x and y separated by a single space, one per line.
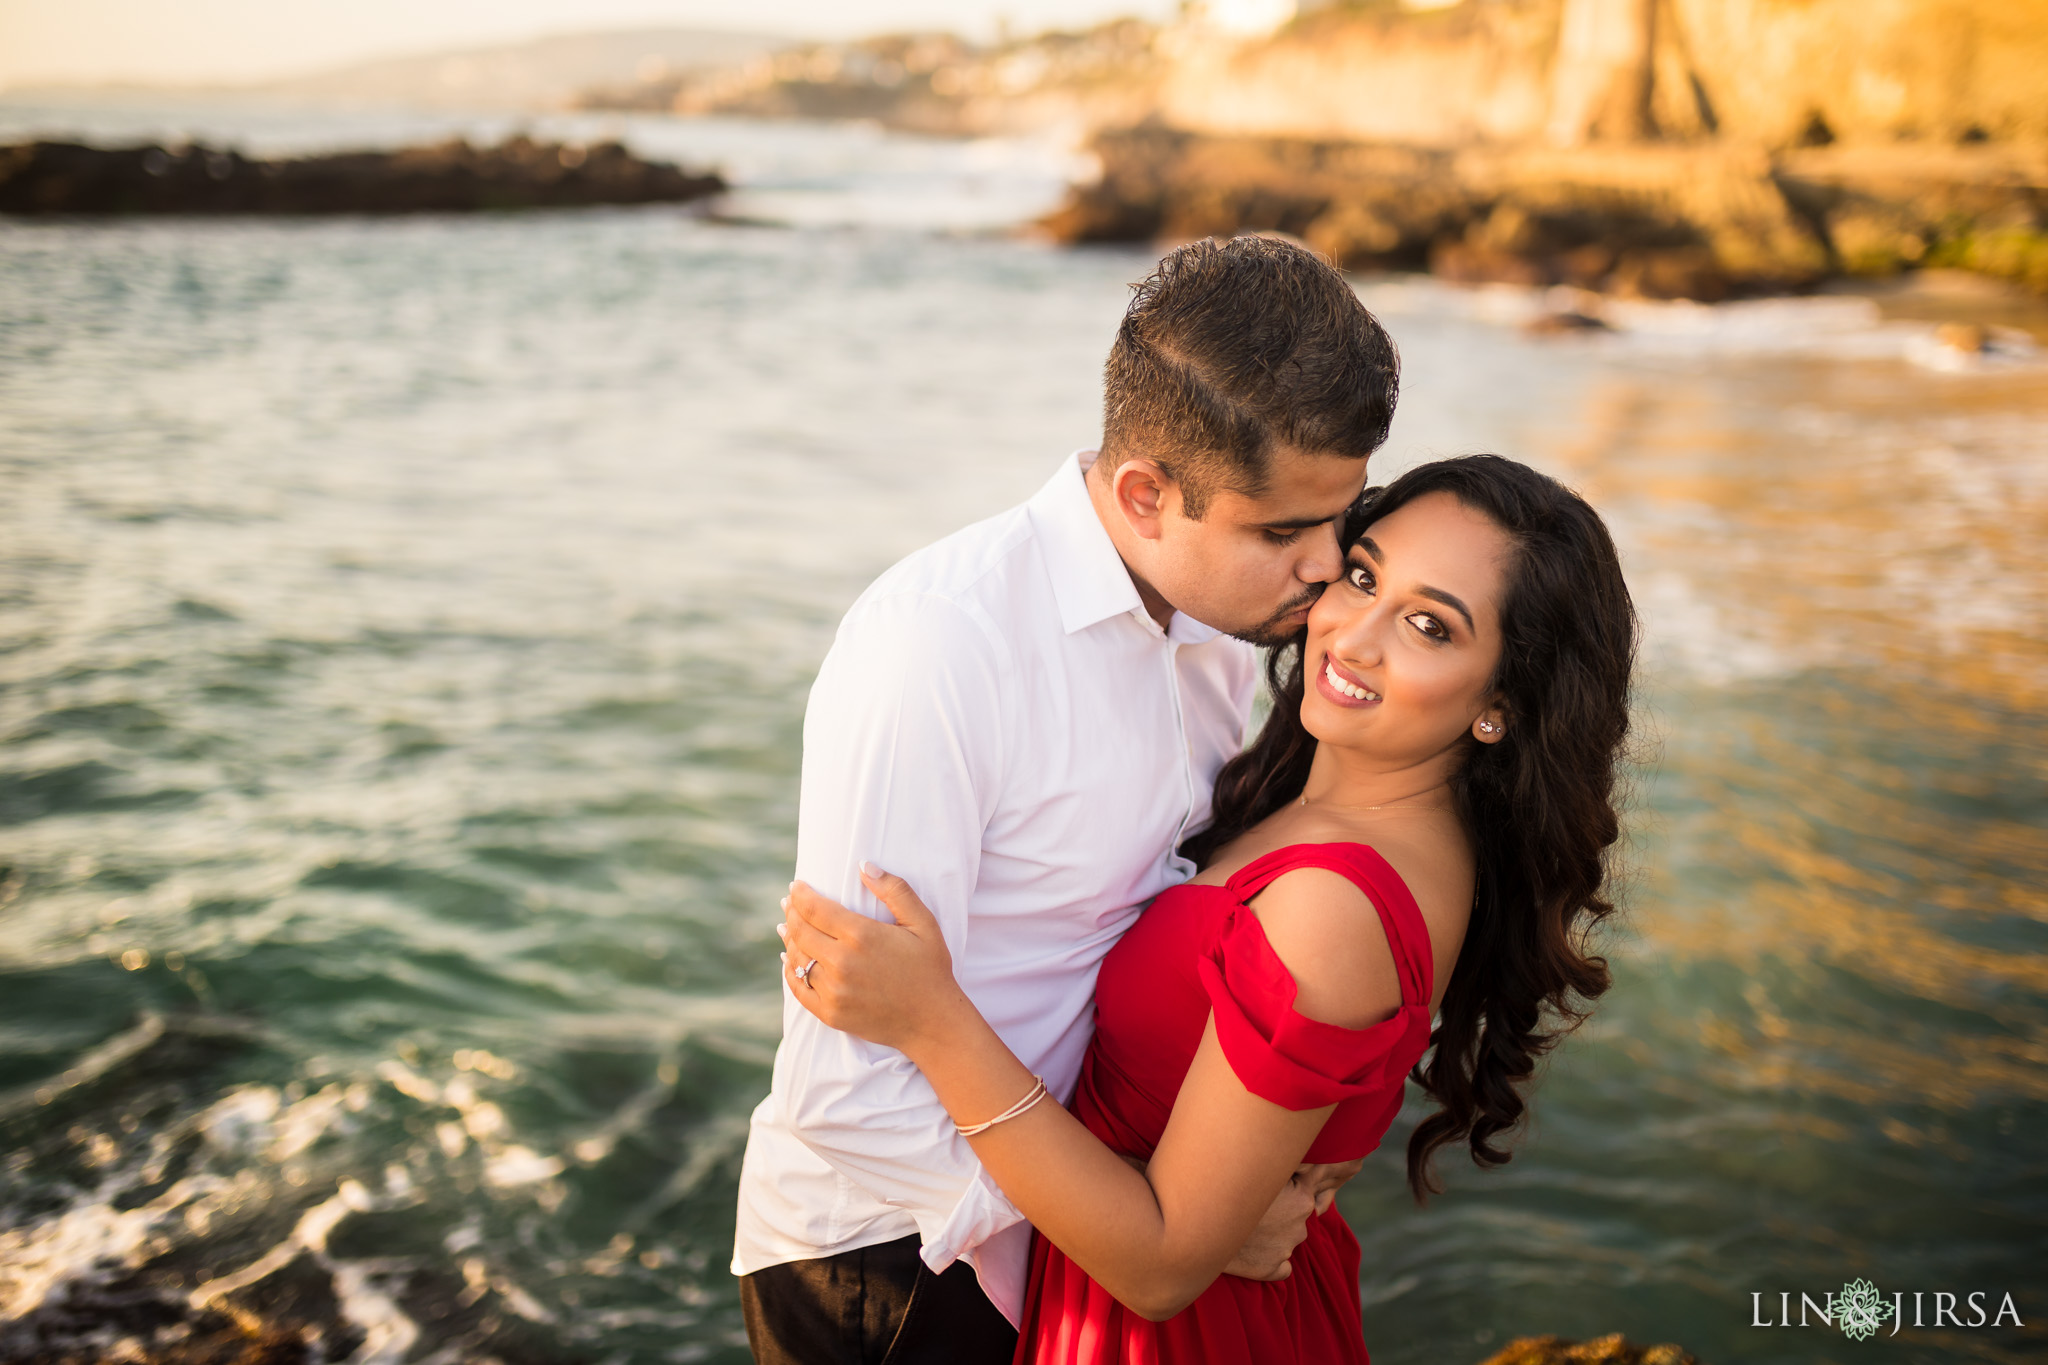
1328 932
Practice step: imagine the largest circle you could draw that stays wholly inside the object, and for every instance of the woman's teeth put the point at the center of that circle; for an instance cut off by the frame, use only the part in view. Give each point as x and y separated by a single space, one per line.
1353 692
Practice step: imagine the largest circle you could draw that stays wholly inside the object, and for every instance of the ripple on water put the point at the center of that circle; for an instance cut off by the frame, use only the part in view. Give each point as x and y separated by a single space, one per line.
406 634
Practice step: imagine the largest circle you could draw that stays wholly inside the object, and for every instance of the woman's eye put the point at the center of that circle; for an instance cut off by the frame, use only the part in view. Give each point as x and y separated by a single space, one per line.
1429 626
1361 578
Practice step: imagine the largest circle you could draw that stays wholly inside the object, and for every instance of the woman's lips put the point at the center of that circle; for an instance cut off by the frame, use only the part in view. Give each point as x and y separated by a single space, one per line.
1343 688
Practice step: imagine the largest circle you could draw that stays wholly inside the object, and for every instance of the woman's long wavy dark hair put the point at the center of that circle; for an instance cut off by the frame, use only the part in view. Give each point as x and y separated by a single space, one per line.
1539 805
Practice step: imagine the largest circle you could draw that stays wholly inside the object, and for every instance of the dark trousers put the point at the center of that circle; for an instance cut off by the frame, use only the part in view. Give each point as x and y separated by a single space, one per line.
875 1305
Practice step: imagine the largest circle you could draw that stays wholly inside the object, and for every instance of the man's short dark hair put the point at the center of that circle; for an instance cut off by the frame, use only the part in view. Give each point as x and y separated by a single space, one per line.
1231 349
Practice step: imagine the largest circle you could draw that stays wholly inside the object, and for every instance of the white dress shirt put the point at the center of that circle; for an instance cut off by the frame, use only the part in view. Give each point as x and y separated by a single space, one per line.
1001 723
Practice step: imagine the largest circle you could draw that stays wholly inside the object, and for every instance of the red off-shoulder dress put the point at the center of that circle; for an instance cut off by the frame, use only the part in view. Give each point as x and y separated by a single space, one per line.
1198 950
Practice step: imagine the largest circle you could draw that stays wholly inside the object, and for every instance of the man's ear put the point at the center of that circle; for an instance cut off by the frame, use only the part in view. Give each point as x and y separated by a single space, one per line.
1144 493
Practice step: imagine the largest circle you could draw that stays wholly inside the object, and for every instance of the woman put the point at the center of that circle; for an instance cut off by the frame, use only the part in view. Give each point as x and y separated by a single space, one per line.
1421 827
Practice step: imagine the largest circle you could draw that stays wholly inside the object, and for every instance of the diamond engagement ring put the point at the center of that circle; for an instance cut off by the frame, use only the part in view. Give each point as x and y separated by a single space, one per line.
803 973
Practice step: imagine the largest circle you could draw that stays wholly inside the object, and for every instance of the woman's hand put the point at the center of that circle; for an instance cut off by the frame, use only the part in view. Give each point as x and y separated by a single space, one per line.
891 984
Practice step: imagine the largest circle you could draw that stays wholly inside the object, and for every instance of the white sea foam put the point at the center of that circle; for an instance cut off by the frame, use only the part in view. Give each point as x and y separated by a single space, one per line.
1839 327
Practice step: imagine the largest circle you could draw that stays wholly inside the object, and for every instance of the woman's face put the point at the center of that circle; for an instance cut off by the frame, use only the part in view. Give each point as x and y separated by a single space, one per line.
1402 647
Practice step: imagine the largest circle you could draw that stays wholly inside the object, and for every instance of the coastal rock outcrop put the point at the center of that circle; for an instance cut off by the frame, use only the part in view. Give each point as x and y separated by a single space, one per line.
1659 220
447 177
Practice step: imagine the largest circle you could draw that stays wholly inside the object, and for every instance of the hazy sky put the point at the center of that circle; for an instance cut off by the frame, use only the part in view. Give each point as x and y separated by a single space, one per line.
166 41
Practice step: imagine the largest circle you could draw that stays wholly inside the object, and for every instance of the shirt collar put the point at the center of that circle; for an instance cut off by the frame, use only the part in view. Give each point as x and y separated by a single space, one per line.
1184 629
1089 579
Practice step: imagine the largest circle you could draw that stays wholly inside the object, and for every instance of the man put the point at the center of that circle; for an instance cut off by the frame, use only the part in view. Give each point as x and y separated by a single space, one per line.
1024 721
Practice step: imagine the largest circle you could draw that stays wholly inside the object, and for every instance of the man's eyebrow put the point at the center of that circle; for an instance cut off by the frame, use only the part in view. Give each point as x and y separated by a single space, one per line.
1451 600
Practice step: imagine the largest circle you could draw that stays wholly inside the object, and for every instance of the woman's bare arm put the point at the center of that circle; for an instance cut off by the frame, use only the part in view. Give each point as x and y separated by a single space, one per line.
1154 1238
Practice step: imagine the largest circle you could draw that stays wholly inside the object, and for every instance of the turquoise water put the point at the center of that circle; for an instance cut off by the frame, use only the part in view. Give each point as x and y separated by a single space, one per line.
404 633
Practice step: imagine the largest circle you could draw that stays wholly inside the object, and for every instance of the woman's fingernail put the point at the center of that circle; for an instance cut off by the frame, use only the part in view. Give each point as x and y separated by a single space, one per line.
870 869
785 902
782 931
783 958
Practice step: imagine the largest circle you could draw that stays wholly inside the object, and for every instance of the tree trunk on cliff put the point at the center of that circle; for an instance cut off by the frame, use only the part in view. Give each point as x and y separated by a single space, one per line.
1600 80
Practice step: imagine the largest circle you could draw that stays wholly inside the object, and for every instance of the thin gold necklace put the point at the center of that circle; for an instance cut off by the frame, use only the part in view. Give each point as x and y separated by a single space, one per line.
1332 805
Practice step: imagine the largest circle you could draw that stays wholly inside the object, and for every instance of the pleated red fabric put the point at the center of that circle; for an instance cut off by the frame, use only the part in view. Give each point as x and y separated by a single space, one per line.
1197 951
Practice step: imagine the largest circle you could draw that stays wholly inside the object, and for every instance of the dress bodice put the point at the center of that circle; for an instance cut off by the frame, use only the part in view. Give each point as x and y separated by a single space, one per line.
1198 950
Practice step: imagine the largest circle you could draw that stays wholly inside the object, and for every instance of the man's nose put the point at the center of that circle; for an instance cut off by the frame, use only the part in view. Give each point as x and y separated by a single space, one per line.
1325 557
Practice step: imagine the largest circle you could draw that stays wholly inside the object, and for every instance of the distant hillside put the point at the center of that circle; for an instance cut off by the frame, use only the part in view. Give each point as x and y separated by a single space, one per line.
539 74
931 82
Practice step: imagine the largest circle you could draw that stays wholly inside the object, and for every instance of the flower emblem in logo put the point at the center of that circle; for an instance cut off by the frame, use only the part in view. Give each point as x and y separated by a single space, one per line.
1860 1310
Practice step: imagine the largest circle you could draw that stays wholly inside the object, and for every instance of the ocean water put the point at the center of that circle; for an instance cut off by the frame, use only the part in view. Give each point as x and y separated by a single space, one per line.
404 635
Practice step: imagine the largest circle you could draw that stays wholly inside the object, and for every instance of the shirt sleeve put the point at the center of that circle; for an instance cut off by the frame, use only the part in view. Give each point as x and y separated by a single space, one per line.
903 757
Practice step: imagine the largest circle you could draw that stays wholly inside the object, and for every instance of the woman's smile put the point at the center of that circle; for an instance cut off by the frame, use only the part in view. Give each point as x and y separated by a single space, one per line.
1344 687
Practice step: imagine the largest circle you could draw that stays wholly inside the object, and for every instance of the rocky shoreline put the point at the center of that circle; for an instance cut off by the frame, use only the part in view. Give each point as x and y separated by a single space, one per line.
447 177
1668 221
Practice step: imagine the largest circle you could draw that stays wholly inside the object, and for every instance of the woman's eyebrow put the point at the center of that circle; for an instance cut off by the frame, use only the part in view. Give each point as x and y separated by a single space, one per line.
1450 600
1371 548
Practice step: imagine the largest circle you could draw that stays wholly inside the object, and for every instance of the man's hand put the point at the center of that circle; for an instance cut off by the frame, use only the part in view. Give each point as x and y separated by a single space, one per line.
1312 1189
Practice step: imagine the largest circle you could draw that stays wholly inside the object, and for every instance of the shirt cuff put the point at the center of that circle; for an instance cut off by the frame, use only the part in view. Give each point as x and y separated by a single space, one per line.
982 1211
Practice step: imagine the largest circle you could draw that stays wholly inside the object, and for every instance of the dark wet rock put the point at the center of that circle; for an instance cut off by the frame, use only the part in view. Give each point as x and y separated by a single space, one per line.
206 1340
230 1344
1564 322
294 1300
1608 1350
447 177
288 1313
134 1317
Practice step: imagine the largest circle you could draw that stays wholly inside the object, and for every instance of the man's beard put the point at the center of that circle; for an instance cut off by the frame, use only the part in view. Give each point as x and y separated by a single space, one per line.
1274 630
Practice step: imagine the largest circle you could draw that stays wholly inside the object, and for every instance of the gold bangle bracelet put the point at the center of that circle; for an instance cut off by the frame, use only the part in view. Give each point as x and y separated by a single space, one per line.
1038 1093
